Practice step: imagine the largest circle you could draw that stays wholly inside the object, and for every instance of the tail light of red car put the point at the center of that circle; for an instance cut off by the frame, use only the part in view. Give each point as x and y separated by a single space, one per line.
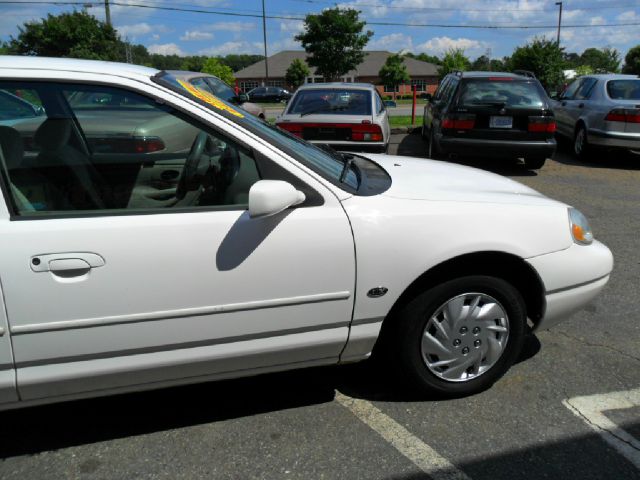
542 124
626 115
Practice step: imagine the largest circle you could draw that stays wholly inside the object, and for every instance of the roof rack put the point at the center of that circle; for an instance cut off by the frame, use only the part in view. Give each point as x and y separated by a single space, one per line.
525 73
457 73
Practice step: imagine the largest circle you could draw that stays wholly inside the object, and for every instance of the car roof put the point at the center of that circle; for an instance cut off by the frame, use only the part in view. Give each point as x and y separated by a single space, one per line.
188 75
612 76
311 86
75 65
475 74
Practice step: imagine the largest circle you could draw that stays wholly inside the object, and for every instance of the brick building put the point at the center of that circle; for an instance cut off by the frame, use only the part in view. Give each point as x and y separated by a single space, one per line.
423 74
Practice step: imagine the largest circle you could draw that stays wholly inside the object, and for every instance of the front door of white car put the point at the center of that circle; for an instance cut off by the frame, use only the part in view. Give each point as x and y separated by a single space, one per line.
104 294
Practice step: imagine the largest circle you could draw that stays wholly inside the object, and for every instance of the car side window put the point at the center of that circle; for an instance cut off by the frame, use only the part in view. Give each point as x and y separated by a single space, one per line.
438 95
584 90
379 104
107 150
450 90
569 93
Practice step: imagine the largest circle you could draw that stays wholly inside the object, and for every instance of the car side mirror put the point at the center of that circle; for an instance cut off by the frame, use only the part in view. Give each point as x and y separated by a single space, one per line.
428 97
268 197
390 103
242 98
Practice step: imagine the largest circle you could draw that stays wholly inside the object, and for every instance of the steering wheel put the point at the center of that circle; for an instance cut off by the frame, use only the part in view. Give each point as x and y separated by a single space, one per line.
229 165
191 164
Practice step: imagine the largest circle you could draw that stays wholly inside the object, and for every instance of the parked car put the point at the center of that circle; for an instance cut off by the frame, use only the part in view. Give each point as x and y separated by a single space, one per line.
255 251
217 87
269 94
490 114
600 111
345 116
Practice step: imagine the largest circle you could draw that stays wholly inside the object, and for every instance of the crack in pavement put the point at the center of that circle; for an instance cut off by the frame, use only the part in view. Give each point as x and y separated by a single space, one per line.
595 426
599 345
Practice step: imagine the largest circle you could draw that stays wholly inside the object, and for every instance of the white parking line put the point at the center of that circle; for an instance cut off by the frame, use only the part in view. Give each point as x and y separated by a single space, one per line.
421 454
590 409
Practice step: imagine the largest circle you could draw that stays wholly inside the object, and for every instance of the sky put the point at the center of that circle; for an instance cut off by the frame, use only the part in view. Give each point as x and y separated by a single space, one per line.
430 26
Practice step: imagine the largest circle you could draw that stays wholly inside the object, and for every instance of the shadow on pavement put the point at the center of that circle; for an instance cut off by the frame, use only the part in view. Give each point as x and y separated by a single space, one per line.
63 425
618 159
412 145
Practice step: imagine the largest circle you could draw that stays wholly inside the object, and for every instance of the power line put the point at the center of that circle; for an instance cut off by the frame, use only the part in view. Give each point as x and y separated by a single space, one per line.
298 18
454 9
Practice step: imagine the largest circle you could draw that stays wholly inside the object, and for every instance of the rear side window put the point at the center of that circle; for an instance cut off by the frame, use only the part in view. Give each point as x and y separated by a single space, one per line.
509 93
331 102
624 89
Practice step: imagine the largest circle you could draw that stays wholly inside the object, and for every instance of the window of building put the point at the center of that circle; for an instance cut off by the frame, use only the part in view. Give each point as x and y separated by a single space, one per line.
247 85
275 83
420 84
390 89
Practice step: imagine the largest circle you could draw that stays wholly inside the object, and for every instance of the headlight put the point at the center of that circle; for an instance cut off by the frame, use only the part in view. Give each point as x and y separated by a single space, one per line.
580 228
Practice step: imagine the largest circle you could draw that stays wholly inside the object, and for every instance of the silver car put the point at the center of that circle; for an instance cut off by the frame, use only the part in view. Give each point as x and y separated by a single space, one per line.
217 87
600 111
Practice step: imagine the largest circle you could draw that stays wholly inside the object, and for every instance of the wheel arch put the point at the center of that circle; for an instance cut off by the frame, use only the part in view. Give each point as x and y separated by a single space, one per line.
509 267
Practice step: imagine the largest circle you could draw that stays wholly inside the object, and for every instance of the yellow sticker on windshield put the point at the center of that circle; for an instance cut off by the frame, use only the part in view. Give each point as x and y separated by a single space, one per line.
210 99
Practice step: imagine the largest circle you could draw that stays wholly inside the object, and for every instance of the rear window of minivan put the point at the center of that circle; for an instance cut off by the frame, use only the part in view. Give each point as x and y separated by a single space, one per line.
507 93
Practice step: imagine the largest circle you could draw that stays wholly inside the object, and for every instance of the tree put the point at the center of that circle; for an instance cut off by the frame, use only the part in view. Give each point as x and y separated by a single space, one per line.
571 60
334 41
481 64
75 34
632 61
606 60
213 66
240 61
193 63
454 60
394 72
297 73
544 58
424 58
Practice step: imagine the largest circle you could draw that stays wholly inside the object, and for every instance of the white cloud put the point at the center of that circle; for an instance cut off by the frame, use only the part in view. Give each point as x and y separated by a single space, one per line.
628 17
134 30
292 26
166 49
597 20
232 47
439 45
195 35
394 42
232 26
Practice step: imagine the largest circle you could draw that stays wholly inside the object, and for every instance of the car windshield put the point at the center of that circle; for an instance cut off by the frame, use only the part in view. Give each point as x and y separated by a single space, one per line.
329 165
624 89
504 93
331 101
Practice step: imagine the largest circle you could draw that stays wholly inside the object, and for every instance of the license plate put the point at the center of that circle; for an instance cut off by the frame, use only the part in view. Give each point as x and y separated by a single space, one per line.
501 122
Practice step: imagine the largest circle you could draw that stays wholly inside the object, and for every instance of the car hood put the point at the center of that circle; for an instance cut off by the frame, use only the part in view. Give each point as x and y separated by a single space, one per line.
423 179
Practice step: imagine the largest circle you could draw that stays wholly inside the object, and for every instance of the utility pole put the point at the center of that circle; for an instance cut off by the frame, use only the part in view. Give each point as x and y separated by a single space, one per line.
559 22
107 12
264 31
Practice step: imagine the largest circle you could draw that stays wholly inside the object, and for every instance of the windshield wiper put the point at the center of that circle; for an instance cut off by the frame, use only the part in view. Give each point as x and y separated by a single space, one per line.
491 104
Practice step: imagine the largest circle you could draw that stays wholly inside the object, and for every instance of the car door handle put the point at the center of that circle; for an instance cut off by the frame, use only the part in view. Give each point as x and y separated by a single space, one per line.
581 105
564 104
66 262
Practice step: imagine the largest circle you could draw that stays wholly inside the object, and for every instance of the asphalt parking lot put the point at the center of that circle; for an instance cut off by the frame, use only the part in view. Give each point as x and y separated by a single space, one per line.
570 408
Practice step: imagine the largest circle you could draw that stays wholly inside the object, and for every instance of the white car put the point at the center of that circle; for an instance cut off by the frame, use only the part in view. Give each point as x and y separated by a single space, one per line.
256 251
345 116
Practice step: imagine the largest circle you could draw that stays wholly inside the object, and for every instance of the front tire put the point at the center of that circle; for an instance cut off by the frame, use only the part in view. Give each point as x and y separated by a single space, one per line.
459 337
